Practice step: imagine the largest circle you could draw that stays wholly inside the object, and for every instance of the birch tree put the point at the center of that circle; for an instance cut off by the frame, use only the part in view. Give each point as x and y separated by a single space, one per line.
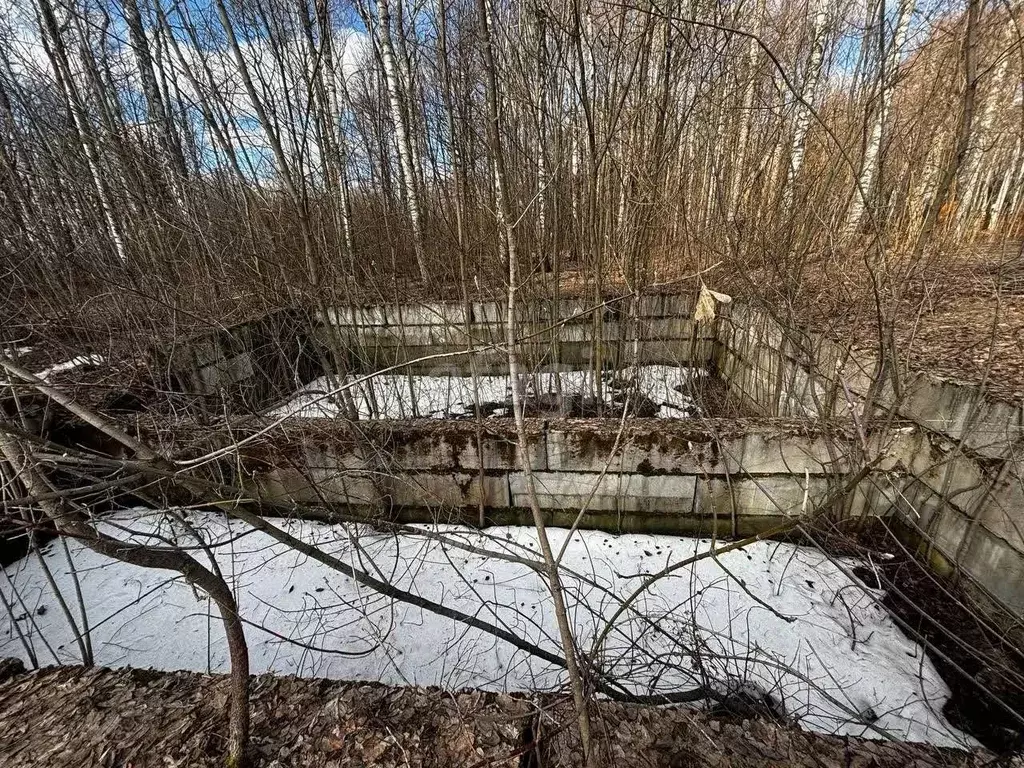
808 93
865 187
383 32
60 61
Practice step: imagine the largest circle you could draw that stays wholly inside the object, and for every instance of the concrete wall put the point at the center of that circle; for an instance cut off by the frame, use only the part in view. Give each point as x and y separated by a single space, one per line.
956 480
964 494
653 329
254 363
267 358
669 478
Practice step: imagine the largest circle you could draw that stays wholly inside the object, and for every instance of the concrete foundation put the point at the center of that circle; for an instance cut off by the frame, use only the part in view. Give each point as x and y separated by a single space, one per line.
653 477
649 330
964 498
949 468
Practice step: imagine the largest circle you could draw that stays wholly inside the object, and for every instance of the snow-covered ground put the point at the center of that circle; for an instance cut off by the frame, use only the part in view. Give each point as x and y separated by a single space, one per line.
782 616
399 396
69 365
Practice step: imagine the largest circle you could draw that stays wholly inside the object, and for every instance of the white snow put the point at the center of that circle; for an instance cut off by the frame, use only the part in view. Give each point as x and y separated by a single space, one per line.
69 365
400 396
794 639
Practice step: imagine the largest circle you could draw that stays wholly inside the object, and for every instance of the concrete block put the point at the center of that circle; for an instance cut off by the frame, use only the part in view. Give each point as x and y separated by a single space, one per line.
573 450
432 313
340 486
677 352
651 306
763 496
1003 512
731 366
856 370
782 453
488 312
200 352
962 412
739 314
899 448
315 486
996 429
675 328
667 494
279 485
875 496
960 480
454 336
947 528
997 567
569 307
917 503
226 372
335 457
443 449
677 305
571 332
438 489
355 316
937 406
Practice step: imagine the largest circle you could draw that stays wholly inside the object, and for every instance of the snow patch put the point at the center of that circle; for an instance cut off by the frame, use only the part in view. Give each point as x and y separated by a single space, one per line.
780 617
402 396
69 365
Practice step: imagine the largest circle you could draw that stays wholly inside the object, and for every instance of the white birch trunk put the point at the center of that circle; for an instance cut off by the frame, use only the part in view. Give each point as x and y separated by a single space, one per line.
802 118
971 184
866 181
57 53
540 96
1009 174
340 142
159 121
398 116
746 114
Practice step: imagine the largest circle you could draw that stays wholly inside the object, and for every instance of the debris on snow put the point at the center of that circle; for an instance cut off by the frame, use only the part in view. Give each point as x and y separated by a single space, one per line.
789 641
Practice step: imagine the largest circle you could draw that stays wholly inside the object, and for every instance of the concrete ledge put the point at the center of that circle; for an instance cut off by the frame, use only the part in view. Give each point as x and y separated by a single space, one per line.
664 476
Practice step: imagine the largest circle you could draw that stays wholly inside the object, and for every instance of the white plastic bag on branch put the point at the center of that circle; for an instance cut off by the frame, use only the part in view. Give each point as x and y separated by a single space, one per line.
707 304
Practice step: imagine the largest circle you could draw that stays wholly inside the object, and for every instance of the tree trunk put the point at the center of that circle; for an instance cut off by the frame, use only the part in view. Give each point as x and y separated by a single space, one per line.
802 119
170 153
972 177
956 158
55 49
1009 174
866 182
399 117
505 222
70 521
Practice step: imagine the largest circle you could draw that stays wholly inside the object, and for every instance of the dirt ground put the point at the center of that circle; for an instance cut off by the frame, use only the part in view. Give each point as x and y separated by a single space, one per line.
72 716
957 315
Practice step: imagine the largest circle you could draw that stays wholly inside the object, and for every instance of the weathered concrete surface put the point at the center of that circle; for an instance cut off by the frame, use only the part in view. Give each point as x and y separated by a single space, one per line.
735 477
965 493
255 362
782 372
652 330
959 480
